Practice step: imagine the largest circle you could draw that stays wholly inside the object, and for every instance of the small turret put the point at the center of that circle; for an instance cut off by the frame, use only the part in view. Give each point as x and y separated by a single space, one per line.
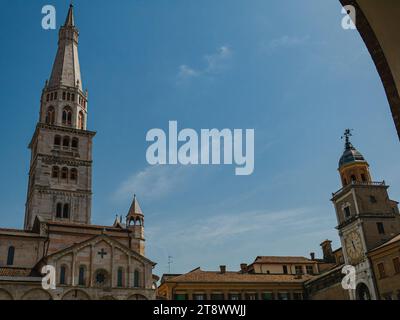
135 223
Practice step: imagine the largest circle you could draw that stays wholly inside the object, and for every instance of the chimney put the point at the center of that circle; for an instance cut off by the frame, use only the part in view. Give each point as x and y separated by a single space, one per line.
327 251
312 255
222 269
243 267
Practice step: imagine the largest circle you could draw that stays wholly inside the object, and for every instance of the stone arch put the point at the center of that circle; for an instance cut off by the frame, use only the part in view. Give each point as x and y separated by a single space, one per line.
362 292
37 294
5 295
137 297
76 294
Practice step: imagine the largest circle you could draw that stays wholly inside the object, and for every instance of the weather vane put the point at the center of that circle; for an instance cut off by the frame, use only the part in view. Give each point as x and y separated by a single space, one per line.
347 134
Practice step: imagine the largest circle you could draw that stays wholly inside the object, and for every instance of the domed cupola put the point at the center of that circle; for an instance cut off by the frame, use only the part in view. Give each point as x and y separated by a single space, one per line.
353 167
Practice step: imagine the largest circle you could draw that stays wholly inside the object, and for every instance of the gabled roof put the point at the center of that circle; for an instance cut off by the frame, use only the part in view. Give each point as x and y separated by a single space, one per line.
97 239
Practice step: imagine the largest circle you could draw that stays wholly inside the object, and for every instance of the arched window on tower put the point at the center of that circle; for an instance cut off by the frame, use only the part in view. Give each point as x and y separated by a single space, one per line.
59 210
50 115
66 211
75 143
353 178
66 142
81 121
55 172
57 141
64 173
67 116
10 256
74 175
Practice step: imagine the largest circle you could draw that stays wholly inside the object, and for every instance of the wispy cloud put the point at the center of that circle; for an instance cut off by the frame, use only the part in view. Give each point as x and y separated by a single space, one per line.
284 42
214 64
233 235
222 227
154 182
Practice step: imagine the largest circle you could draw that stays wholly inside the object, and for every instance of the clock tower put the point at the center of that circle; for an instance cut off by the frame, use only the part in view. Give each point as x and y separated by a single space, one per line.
366 216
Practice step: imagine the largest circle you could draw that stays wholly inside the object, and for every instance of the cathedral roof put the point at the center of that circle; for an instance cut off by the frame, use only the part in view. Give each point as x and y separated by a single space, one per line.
350 154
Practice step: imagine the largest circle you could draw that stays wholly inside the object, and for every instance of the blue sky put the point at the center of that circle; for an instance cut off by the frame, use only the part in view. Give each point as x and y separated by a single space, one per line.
285 68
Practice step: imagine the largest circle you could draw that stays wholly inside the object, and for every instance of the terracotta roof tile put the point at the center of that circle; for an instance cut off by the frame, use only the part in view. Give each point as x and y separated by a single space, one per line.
287 259
199 275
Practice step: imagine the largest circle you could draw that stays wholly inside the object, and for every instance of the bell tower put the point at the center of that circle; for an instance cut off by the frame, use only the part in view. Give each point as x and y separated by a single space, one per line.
366 216
135 223
60 175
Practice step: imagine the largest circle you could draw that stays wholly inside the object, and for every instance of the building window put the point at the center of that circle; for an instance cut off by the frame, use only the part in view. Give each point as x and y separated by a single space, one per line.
67 116
81 121
55 95
59 210
73 97
10 256
75 143
381 228
268 296
64 95
48 97
299 269
372 199
363 177
285 270
50 115
66 211
310 269
217 296
251 296
101 277
297 296
381 269
120 278
234 296
57 141
81 280
63 275
66 142
55 172
347 212
396 264
136 279
68 96
283 296
64 173
199 296
353 178
74 175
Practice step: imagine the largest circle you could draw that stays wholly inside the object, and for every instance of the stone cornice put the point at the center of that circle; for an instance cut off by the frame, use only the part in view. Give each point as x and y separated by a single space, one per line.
63 192
60 129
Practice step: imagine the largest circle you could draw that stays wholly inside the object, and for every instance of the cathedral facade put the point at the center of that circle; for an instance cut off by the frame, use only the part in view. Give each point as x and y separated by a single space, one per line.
90 262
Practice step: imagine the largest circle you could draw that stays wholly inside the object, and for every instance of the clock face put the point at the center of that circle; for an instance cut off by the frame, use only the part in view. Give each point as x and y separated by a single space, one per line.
354 247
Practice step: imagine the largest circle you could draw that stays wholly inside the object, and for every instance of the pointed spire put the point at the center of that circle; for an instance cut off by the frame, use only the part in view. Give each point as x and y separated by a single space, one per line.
66 69
70 21
135 208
